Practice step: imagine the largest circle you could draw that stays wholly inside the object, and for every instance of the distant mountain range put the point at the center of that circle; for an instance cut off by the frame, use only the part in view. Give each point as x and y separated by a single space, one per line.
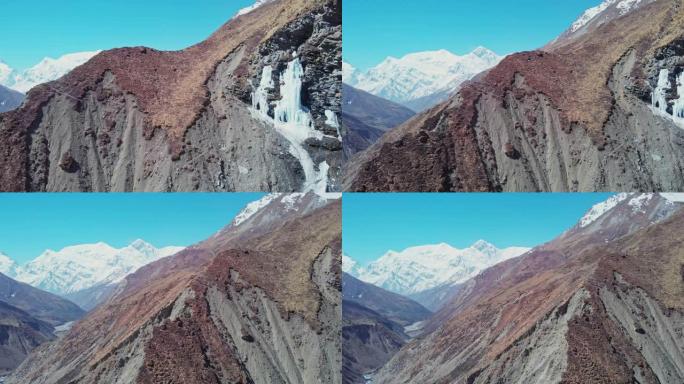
422 268
420 80
46 70
86 268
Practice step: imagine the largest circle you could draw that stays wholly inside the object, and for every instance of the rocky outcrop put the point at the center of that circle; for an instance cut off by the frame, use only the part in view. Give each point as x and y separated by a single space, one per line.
137 119
579 115
601 303
259 302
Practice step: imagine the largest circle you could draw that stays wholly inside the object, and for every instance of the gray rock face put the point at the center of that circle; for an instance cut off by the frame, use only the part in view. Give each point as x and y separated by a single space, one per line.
657 333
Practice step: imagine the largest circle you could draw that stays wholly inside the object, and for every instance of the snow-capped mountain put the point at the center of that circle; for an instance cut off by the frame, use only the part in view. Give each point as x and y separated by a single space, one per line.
421 268
350 266
420 75
628 209
596 16
80 267
47 70
598 13
257 4
5 72
7 265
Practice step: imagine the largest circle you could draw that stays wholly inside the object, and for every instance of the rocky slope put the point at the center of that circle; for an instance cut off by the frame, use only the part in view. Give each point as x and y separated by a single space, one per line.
29 317
45 306
596 110
20 333
258 302
369 340
392 306
365 118
601 303
9 99
252 108
373 326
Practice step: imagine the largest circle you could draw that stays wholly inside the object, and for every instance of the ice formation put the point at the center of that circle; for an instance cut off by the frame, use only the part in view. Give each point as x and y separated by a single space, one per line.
659 97
292 120
331 120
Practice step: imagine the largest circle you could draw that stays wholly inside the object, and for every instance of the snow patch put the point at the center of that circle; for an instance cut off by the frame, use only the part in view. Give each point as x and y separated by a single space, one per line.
601 208
674 197
251 8
637 203
252 208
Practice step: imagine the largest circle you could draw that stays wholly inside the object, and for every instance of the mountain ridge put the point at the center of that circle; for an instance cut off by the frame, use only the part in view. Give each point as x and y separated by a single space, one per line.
199 296
189 120
553 314
562 118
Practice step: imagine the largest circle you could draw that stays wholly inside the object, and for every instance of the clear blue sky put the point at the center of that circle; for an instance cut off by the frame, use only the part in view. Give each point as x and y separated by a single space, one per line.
375 29
31 30
375 223
31 223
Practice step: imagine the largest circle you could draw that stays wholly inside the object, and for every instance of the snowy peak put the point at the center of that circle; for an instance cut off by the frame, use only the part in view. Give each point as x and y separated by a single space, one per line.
420 74
275 205
604 12
47 70
83 266
420 268
626 212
